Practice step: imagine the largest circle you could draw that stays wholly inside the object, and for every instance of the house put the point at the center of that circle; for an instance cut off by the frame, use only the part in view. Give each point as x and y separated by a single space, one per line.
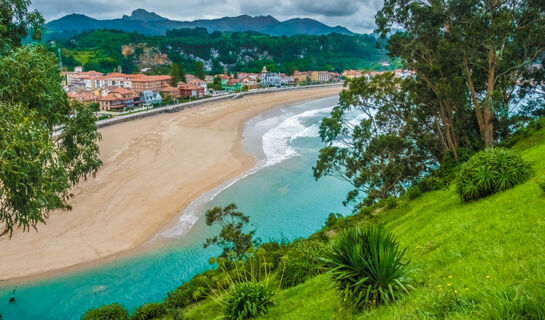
224 79
190 90
287 79
319 76
83 96
271 79
143 82
234 85
334 76
208 78
200 83
189 77
300 77
119 99
149 97
248 82
351 74
170 91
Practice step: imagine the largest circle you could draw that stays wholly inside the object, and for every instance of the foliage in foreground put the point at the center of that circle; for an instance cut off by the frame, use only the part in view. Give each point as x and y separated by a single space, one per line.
303 261
109 312
149 311
247 300
490 171
368 268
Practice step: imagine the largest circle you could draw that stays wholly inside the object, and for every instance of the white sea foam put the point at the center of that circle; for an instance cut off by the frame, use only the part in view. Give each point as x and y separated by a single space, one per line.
277 142
276 147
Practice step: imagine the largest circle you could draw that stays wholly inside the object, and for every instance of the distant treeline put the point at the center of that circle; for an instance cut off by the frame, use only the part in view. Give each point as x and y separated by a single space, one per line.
230 51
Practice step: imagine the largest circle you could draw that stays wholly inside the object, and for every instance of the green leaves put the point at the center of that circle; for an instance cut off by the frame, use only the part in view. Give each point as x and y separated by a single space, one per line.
37 169
491 171
231 238
368 267
247 300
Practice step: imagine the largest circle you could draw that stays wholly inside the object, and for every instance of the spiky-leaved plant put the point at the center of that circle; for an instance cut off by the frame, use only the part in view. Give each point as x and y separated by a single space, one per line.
490 171
368 267
247 300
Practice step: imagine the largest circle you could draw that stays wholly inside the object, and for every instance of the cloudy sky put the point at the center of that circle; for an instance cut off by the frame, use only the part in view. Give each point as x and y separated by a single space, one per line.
357 15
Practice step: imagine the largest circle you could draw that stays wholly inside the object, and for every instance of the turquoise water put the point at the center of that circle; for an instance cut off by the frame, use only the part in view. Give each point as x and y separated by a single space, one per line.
281 197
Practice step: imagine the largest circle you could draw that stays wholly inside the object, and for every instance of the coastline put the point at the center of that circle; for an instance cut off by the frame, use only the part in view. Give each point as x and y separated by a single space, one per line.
153 169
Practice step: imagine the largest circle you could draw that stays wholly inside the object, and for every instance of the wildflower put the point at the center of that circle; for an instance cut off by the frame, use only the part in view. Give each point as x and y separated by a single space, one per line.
455 291
450 277
467 289
487 276
448 284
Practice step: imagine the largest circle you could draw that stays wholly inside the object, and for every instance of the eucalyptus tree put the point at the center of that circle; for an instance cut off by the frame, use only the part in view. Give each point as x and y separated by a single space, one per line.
378 138
487 44
38 165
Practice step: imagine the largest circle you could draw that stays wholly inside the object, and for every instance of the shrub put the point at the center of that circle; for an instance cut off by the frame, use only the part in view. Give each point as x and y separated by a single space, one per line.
541 182
187 293
109 312
431 183
414 192
149 311
247 300
367 266
175 314
491 171
303 261
391 203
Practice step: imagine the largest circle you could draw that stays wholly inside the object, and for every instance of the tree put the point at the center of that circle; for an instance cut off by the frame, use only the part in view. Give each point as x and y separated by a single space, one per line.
232 237
127 65
174 75
488 44
16 23
199 70
384 152
38 165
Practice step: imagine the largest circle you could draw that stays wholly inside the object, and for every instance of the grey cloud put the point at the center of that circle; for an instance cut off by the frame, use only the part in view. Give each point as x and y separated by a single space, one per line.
357 15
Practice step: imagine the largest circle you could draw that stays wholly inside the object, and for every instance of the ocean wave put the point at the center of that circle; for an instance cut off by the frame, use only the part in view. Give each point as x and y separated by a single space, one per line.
277 148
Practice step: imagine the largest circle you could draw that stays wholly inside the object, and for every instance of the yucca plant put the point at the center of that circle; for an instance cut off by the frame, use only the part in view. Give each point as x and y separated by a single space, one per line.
490 171
368 267
247 300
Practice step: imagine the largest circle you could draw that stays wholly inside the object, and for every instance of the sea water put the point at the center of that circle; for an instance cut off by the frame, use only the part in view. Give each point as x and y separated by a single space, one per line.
280 196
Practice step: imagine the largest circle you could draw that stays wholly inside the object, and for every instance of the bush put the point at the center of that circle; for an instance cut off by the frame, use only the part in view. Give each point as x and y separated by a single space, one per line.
109 312
247 300
149 311
391 203
541 182
414 192
367 267
431 183
187 293
491 171
303 261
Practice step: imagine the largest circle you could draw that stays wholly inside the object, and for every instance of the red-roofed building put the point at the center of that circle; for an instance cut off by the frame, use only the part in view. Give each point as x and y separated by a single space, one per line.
119 98
170 91
152 83
191 91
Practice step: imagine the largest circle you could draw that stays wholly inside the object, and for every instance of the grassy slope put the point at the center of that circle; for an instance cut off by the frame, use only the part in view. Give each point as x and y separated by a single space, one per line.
482 249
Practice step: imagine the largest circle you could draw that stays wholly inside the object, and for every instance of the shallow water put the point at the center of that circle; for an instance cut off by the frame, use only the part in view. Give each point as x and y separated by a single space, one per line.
280 195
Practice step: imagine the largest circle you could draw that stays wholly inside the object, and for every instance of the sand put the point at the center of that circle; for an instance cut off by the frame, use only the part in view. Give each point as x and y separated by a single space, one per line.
153 168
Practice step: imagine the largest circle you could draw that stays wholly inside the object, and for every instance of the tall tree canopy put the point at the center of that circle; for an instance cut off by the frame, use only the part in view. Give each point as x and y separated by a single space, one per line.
383 153
38 162
487 44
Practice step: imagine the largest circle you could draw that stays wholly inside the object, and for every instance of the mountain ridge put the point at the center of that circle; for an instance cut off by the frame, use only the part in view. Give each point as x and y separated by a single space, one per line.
150 23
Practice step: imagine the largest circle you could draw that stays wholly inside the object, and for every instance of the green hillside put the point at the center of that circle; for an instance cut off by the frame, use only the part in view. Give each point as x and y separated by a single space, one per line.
482 259
220 51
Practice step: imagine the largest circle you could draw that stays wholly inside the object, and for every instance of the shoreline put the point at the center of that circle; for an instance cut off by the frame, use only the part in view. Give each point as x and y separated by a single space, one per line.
236 163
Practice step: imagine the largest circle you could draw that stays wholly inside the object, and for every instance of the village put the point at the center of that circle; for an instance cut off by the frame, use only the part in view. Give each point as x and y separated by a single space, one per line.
116 93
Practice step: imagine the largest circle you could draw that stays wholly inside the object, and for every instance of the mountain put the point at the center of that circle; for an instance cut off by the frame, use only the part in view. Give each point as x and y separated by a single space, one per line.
150 23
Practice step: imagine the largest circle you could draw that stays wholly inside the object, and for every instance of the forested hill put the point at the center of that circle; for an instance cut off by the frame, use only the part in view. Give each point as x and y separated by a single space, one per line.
105 50
150 23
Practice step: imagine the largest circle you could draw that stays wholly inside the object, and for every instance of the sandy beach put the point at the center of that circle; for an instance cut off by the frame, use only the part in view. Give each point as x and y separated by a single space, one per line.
153 168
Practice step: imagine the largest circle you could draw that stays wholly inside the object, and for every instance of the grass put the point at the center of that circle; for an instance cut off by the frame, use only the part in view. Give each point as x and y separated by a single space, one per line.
477 260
